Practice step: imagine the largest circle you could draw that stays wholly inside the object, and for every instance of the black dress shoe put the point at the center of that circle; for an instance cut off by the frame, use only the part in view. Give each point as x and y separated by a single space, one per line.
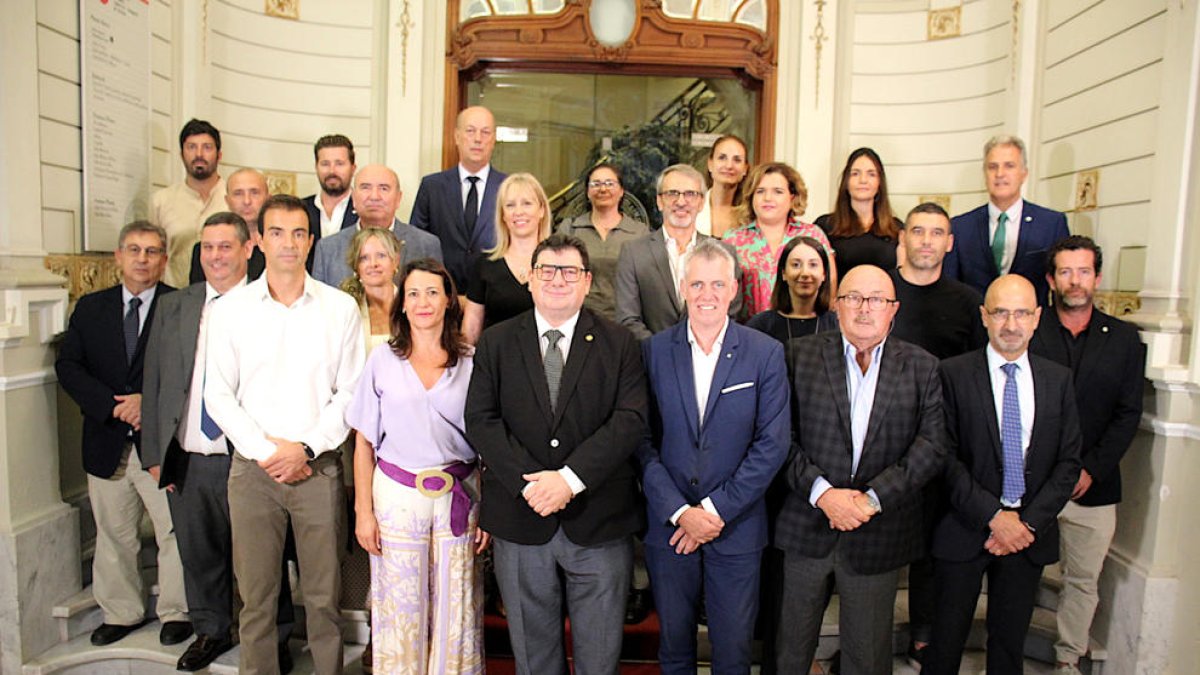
174 632
109 633
202 652
285 659
637 606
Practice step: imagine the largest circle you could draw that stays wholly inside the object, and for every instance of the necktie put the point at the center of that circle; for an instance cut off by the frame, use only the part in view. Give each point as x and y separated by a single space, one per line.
207 424
471 210
998 241
1010 439
552 362
131 328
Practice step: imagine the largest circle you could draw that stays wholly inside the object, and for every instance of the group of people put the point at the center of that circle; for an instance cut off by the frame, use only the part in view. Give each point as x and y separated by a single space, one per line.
773 409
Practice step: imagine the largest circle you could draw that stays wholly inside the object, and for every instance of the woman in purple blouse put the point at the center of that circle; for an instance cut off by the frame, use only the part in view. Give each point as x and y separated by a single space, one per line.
415 475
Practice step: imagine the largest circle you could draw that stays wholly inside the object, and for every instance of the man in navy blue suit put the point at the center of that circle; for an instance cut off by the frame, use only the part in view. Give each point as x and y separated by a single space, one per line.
459 204
1008 235
719 433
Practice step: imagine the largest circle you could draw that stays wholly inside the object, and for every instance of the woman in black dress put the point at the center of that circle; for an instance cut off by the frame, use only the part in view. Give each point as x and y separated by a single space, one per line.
862 227
800 300
500 289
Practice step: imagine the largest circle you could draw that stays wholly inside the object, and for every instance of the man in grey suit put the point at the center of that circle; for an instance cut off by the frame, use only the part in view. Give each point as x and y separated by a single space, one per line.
868 433
650 268
376 197
186 453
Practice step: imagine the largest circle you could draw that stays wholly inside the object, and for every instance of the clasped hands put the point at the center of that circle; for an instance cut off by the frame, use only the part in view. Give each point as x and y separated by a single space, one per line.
288 464
1009 534
547 492
694 528
129 410
846 509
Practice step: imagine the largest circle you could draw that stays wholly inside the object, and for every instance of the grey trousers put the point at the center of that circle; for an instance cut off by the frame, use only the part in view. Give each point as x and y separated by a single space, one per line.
865 624
259 509
594 583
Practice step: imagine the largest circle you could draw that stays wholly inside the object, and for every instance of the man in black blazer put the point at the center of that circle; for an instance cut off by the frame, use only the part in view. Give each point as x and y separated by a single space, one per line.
1008 235
100 367
177 448
458 205
1109 363
556 407
1014 459
868 434
330 209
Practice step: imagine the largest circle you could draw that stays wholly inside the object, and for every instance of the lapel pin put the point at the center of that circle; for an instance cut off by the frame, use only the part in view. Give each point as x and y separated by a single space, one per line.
1029 219
729 355
1104 329
588 337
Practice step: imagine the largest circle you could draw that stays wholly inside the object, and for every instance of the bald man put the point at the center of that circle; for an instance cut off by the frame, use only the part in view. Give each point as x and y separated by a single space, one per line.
459 205
867 434
245 191
1013 460
376 195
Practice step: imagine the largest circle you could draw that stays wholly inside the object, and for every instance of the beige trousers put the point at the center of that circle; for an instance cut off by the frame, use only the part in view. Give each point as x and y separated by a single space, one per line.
1085 533
117 504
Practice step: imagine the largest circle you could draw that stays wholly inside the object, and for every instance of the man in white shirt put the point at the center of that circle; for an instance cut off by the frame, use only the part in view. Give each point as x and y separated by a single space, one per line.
280 400
181 208
722 432
330 209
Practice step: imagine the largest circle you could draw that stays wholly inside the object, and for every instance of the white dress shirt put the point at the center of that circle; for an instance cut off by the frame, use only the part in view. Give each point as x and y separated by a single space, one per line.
332 224
146 296
1024 392
860 387
675 259
465 185
1012 230
704 367
567 328
189 435
294 378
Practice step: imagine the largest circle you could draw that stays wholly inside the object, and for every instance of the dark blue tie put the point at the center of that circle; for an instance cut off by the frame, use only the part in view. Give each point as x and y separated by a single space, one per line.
1010 439
132 323
207 424
471 209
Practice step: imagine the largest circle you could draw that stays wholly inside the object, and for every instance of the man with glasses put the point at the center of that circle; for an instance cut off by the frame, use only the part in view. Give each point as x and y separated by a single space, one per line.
868 433
100 367
1012 462
556 407
650 268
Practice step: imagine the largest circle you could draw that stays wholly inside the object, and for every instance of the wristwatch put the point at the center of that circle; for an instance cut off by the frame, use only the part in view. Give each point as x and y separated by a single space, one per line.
873 502
308 451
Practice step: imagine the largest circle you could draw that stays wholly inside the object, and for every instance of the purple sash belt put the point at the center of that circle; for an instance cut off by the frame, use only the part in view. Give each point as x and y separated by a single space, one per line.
442 481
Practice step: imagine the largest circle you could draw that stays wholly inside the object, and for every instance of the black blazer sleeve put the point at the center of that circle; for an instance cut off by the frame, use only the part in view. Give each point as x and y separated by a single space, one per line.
1102 459
1041 510
75 371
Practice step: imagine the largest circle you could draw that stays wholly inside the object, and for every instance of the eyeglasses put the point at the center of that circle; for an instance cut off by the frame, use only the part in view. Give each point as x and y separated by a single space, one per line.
1006 314
855 301
688 195
151 251
570 273
597 184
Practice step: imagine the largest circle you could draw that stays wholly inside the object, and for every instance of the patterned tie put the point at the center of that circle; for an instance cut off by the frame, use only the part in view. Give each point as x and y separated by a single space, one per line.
131 328
471 210
1010 439
552 362
207 424
998 241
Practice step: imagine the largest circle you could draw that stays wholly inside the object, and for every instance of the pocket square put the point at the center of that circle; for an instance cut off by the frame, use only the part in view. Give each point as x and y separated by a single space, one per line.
735 387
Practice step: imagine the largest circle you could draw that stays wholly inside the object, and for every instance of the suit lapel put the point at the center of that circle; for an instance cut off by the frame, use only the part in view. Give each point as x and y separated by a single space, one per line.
681 362
724 367
886 387
835 370
531 352
454 204
1025 232
484 225
658 252
190 310
987 405
985 240
577 356
1094 346
1049 337
1041 396
114 316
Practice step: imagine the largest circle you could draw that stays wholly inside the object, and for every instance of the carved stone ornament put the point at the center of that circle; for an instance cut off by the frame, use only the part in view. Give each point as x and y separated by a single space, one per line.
945 23
85 273
1118 303
281 182
941 200
284 9
1087 188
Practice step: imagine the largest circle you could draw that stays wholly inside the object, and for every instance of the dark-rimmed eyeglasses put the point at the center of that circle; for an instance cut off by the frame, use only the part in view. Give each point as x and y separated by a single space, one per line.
674 195
151 251
570 273
1006 314
597 184
874 303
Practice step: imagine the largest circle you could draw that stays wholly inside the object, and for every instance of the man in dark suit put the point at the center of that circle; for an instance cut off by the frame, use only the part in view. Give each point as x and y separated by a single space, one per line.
100 367
187 454
458 205
1013 462
720 432
556 408
1109 363
1008 235
376 196
245 192
649 268
868 433
330 209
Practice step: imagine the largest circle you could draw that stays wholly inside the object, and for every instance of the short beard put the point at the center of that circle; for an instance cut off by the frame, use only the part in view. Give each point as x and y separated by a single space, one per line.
335 192
1062 300
200 172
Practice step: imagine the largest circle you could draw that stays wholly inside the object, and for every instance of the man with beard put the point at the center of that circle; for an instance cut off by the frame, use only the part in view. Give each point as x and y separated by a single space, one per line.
331 209
245 192
1108 361
181 209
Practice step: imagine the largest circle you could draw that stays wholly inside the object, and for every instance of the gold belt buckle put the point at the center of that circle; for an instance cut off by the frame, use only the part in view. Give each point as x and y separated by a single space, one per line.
447 483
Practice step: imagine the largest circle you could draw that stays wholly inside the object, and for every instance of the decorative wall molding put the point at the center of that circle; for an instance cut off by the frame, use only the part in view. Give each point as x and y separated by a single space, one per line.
658 44
941 200
1170 429
944 23
281 182
406 25
819 37
85 273
1087 188
35 378
1118 303
283 9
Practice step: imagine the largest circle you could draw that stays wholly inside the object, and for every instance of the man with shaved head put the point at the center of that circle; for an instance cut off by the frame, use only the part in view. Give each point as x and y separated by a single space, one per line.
867 434
245 191
1012 462
376 196
458 205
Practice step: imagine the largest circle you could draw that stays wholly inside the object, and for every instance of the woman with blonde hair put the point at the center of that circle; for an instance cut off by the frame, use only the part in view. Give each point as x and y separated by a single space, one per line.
500 288
374 255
